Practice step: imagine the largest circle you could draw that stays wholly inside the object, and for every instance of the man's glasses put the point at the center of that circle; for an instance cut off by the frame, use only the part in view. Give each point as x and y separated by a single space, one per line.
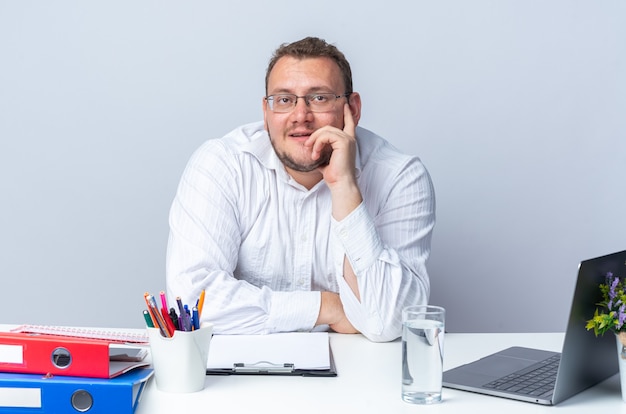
317 102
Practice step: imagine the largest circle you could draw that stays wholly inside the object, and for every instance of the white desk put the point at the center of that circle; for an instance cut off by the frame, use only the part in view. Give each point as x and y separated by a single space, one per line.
368 381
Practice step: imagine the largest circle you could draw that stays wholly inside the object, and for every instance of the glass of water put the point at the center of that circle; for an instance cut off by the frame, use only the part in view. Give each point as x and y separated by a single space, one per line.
422 353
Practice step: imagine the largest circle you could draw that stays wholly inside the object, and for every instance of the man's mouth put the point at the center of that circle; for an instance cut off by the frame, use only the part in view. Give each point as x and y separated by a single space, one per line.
299 135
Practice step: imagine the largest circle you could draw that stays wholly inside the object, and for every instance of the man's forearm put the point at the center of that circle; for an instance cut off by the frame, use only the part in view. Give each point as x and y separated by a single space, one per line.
345 200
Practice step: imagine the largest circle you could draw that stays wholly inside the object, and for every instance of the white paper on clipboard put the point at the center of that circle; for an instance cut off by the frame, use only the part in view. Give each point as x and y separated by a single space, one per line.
305 350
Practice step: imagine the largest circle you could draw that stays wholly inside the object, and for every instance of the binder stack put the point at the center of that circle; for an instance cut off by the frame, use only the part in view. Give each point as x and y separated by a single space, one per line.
60 374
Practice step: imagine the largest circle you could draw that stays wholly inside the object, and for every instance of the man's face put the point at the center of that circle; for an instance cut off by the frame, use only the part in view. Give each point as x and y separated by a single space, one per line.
288 131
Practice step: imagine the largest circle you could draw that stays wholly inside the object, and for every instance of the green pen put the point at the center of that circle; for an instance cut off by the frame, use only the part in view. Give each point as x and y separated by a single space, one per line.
148 318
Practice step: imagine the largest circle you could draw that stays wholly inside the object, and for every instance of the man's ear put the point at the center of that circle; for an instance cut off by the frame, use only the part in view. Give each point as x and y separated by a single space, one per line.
354 100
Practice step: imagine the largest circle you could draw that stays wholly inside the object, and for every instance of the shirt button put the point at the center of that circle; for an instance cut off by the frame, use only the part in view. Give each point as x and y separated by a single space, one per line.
343 233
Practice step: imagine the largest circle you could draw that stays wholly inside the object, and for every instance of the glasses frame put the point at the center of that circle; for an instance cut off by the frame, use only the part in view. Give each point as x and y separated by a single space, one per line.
307 100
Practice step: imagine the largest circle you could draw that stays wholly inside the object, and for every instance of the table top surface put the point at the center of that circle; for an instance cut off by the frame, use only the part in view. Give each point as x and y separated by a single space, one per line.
368 381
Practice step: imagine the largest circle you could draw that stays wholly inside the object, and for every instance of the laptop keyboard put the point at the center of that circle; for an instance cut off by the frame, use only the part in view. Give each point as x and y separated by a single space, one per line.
536 380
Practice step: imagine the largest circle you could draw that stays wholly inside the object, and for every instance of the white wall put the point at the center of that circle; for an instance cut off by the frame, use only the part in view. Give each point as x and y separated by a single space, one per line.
515 106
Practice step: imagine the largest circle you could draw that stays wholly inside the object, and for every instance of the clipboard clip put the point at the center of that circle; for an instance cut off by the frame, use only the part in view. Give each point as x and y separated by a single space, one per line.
263 367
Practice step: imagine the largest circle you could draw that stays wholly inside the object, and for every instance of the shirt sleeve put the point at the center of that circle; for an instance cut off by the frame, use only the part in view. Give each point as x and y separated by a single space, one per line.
203 250
387 250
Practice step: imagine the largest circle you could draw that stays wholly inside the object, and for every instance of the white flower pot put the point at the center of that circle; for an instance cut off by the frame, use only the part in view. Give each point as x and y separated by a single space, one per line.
621 356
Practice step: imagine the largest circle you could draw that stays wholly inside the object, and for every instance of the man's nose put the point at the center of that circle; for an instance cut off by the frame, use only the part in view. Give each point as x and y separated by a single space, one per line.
302 108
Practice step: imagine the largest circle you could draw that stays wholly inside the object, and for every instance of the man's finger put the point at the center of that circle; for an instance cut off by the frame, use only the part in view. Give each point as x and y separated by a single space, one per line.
348 121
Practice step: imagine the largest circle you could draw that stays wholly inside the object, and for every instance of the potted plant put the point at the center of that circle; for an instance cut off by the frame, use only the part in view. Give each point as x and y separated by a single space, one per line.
611 316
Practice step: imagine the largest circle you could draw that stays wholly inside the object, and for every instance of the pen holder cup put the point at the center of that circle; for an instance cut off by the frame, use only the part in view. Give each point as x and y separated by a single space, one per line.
180 361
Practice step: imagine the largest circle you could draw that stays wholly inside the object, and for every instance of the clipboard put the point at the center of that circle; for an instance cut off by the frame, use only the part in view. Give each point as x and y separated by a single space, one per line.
306 354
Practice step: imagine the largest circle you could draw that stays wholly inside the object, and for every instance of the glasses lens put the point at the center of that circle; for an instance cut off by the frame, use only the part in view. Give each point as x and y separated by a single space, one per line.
282 103
321 102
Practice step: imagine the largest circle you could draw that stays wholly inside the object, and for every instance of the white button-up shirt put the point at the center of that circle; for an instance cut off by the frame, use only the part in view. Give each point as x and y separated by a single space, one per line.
263 246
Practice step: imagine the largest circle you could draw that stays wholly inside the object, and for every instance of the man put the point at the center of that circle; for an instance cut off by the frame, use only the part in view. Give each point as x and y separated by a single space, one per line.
304 220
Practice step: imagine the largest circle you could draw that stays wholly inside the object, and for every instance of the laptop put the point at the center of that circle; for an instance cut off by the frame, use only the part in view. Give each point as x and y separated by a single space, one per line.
584 361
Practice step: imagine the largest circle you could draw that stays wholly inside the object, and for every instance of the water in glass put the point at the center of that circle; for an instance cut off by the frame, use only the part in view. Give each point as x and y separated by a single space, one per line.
422 360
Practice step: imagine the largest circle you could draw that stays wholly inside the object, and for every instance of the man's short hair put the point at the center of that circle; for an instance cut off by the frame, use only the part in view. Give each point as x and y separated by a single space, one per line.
312 47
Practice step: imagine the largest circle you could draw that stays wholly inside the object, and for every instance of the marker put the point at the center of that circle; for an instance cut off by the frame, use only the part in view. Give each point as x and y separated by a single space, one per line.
174 318
168 321
148 318
163 300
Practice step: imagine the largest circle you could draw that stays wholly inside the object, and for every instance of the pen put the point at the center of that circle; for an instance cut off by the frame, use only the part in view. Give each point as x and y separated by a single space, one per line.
155 323
188 321
200 303
196 318
152 307
150 313
183 315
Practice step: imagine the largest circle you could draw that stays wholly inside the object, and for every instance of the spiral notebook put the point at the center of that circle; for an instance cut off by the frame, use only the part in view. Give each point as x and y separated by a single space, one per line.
132 336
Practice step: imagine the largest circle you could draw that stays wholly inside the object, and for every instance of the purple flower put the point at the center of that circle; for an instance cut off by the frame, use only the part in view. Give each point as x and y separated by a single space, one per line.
612 293
613 286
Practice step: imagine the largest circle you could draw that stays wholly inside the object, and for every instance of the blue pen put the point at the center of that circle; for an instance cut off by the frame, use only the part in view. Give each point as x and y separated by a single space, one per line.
188 318
196 319
188 321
